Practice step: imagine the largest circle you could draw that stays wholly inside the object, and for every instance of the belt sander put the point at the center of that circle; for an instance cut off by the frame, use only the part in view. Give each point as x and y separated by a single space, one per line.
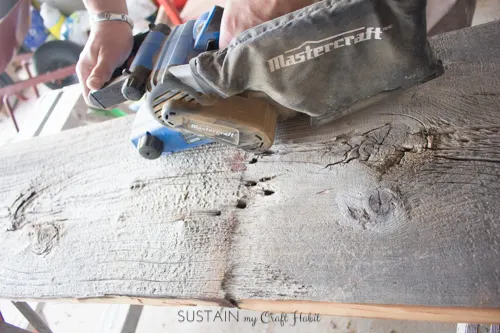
325 60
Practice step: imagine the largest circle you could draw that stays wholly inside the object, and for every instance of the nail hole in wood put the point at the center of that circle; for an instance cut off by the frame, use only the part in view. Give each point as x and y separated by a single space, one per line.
265 179
250 183
242 204
214 213
268 192
267 153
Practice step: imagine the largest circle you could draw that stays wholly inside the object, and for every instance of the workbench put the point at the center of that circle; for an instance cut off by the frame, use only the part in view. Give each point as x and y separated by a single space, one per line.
392 212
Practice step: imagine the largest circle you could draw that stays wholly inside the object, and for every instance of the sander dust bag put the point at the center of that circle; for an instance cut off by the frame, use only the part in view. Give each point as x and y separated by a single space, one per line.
325 58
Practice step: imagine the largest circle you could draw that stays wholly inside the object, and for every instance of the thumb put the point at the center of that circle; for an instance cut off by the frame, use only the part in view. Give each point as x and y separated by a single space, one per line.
101 73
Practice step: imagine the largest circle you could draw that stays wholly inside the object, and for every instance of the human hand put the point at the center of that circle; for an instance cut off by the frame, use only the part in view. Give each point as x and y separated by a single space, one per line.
240 15
109 45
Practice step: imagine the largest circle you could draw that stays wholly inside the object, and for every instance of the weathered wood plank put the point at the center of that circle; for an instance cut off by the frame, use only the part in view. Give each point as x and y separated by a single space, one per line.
394 205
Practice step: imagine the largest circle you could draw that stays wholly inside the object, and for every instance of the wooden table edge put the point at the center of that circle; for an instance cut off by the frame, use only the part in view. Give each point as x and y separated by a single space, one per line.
376 311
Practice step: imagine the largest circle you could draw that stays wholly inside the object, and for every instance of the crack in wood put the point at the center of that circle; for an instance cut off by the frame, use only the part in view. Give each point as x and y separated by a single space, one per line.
266 179
225 285
214 212
469 159
267 153
371 148
20 205
368 150
226 281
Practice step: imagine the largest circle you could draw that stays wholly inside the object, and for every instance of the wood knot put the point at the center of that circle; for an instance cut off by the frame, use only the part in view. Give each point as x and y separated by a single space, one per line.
380 202
375 210
43 237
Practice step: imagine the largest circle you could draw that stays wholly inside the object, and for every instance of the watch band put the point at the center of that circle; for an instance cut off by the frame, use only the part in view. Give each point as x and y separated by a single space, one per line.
106 16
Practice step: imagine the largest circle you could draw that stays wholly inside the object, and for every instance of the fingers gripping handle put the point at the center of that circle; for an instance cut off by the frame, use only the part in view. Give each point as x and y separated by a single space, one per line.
129 81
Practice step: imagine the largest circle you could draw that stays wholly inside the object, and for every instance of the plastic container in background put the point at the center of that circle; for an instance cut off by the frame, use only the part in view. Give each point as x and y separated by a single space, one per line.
37 34
76 28
53 20
140 9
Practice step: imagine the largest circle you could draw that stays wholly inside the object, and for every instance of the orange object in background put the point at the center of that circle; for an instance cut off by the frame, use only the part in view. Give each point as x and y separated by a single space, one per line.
179 4
190 9
170 8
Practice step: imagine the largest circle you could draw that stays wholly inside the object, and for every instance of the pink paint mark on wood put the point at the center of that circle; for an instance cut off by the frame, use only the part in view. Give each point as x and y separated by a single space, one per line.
238 162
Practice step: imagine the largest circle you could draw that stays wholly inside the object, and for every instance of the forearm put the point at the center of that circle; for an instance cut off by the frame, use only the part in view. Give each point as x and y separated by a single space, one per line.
112 6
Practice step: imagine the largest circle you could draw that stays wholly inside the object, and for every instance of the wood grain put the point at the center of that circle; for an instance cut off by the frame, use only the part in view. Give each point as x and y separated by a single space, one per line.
394 205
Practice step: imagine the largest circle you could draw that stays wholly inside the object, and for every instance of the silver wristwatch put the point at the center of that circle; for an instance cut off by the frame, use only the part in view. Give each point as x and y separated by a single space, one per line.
105 16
